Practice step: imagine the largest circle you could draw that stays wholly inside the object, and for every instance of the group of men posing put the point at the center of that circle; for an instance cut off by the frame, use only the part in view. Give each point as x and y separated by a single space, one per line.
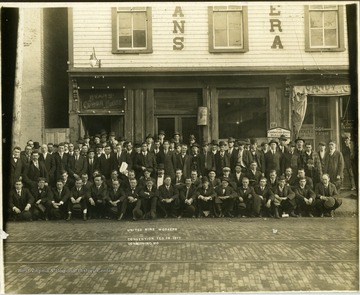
110 178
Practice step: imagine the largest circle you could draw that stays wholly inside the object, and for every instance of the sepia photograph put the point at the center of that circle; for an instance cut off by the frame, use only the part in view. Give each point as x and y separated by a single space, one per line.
179 147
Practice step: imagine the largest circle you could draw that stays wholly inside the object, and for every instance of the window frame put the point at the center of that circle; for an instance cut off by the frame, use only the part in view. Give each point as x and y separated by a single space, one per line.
244 48
340 30
115 35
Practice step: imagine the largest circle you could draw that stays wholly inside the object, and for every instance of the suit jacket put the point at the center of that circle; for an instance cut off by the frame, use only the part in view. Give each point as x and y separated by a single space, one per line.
50 164
290 160
246 193
92 167
119 195
169 161
229 191
259 158
237 181
334 165
233 158
147 161
293 181
63 196
285 193
315 159
221 162
25 159
22 200
32 174
184 163
124 157
266 193
305 192
98 194
172 193
106 165
215 183
272 162
74 193
61 163
320 190
309 182
188 193
197 164
246 158
208 161
44 195
15 171
77 167
210 192
145 193
254 178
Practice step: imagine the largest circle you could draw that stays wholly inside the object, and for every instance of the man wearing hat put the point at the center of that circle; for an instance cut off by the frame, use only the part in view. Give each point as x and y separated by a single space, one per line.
161 136
282 144
36 146
349 160
177 137
272 158
224 200
334 165
42 196
150 143
232 152
291 159
192 140
327 195
205 198
222 159
312 164
257 156
299 150
196 160
284 199
34 171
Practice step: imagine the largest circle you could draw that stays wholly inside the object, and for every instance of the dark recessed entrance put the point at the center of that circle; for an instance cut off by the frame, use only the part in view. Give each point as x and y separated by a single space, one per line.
93 124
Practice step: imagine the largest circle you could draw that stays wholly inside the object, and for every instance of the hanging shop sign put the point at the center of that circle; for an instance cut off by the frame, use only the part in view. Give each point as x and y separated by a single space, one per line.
277 132
275 26
202 118
179 29
328 90
102 99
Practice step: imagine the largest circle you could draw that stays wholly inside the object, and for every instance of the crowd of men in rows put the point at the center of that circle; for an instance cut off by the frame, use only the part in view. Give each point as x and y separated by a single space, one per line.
109 177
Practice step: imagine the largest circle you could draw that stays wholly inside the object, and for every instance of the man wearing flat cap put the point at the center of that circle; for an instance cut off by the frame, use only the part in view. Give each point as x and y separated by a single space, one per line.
208 159
177 137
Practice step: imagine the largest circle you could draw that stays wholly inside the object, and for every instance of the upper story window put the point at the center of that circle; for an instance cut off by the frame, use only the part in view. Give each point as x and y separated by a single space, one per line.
132 31
228 29
324 26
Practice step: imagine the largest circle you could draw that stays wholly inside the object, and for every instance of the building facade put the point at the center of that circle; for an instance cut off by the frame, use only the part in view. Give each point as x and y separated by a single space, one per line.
210 69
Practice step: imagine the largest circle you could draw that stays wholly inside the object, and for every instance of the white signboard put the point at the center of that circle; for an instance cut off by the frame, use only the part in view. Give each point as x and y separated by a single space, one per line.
277 132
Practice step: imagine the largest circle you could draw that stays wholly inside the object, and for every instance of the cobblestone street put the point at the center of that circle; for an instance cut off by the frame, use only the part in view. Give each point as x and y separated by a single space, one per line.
187 255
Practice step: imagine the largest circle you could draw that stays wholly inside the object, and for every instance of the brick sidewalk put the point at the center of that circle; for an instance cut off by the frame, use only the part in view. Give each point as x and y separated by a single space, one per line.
187 255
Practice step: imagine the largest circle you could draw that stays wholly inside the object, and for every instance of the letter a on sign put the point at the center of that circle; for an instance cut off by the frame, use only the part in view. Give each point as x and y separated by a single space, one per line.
277 43
178 12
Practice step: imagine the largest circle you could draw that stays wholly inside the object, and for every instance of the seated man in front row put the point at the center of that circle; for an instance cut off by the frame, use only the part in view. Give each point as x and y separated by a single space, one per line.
42 195
205 198
267 197
115 200
248 203
20 202
78 200
305 198
224 200
59 201
97 196
284 198
148 196
188 198
132 202
168 198
327 195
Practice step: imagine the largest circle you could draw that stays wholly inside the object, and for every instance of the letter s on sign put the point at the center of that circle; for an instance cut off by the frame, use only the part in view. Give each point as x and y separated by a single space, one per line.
178 43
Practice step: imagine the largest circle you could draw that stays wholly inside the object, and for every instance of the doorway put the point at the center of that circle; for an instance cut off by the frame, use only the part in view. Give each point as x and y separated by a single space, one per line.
185 125
94 124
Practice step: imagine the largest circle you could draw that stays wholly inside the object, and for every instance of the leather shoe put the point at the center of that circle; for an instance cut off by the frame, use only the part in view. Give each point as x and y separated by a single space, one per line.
121 216
292 214
68 218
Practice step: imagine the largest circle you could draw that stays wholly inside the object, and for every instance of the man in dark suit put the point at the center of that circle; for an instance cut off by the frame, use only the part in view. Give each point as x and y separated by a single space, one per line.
20 202
168 198
322 154
25 156
208 159
114 201
305 199
34 171
42 195
196 160
237 176
132 202
15 167
267 197
78 200
49 162
184 161
92 163
59 200
224 200
334 166
248 203
284 198
121 156
253 174
272 159
232 152
145 160
188 199
222 159
179 179
257 156
291 179
312 163
77 164
291 159
213 180
243 156
168 159
61 160
205 199
149 196
106 162
97 197
327 195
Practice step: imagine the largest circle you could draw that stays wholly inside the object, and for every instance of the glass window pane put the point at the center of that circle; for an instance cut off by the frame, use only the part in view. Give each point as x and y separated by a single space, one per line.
316 19
124 20
242 117
330 38
235 38
125 41
316 37
330 6
316 6
330 19
234 20
309 116
220 38
220 20
139 38
322 113
139 21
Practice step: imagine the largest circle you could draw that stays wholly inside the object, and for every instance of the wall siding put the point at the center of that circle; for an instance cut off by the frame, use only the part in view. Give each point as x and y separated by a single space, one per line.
92 28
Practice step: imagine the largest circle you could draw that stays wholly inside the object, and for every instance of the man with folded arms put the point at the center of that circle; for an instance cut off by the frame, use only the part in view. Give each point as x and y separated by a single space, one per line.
327 195
224 200
59 200
267 198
